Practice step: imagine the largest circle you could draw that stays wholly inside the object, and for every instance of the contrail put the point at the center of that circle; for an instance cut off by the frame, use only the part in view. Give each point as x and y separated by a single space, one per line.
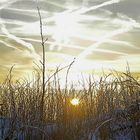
6 4
122 43
6 32
131 20
53 43
85 10
57 5
82 11
8 45
103 39
25 44
127 25
109 51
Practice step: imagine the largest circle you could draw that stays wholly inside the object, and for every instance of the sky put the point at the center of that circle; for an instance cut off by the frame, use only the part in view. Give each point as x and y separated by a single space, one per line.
100 34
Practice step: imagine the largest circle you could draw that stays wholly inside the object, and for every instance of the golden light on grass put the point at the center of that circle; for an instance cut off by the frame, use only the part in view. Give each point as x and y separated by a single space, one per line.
75 101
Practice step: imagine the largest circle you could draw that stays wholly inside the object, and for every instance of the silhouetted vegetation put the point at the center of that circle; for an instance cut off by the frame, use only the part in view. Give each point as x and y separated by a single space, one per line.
116 101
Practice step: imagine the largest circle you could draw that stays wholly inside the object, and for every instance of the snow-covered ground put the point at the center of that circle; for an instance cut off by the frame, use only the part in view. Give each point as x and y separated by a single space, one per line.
119 130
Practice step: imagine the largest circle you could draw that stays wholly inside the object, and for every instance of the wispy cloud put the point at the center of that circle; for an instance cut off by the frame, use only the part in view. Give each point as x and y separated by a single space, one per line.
27 46
85 10
119 42
6 3
90 29
8 45
125 26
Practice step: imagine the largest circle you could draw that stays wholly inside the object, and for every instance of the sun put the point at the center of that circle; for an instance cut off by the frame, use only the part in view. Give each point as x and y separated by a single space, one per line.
75 101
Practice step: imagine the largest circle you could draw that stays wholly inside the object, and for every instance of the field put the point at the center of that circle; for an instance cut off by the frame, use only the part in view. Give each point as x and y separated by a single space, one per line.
107 109
93 35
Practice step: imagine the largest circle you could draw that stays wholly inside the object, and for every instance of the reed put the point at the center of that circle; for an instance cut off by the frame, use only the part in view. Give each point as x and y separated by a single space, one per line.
99 101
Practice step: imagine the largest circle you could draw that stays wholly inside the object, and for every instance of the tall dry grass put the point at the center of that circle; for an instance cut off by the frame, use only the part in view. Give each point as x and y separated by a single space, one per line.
115 99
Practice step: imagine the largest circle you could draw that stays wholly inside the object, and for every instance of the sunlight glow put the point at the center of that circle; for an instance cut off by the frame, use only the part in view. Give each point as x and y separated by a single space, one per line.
65 26
87 30
75 101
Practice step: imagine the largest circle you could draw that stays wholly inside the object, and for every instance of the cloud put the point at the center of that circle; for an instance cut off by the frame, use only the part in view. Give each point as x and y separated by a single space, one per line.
85 10
125 25
8 45
6 3
99 37
26 46
102 55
